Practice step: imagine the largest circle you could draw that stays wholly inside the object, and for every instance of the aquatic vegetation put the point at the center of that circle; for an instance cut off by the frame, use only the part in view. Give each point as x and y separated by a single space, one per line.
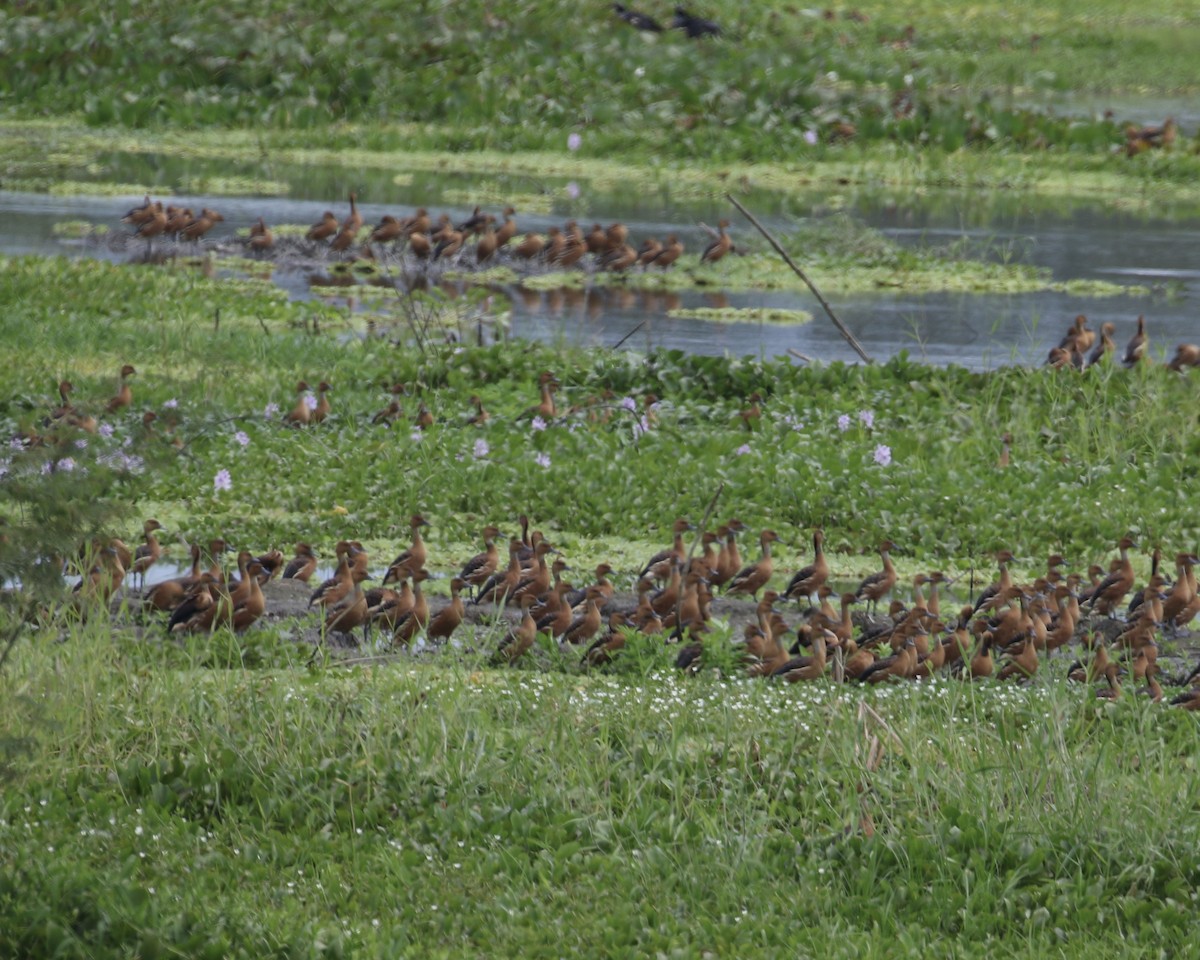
743 315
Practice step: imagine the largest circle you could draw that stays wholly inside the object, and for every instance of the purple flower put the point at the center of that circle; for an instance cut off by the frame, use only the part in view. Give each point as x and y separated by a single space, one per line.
222 481
481 449
542 460
883 454
46 468
629 404
573 190
867 417
242 438
81 444
310 401
416 436
843 422
16 444
742 450
270 411
810 137
66 464
171 404
106 430
574 142
538 424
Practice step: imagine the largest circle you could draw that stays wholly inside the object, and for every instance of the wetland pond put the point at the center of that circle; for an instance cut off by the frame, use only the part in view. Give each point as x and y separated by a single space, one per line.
1075 240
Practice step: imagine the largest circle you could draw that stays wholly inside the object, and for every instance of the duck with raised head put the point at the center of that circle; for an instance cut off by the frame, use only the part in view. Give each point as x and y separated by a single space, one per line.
301 413
501 584
353 223
875 587
584 627
1109 593
155 226
414 621
720 246
808 580
1107 346
1138 344
140 213
148 553
323 407
729 559
480 567
338 586
1186 355
659 566
168 594
752 578
197 228
124 395
507 230
261 238
348 613
102 580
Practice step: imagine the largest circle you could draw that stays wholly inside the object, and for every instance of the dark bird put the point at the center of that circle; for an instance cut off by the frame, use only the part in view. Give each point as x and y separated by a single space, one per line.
635 19
695 27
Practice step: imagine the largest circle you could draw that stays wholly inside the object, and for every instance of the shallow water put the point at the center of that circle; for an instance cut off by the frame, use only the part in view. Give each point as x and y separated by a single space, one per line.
1081 240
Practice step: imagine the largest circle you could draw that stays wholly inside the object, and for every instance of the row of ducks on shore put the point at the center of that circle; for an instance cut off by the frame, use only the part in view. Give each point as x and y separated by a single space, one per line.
425 239
1005 633
1080 348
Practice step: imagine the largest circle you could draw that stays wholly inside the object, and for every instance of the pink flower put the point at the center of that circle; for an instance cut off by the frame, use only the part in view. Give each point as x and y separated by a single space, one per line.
883 455
574 142
222 481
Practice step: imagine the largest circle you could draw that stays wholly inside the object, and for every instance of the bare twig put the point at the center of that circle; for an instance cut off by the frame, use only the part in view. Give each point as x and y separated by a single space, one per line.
619 343
800 356
850 338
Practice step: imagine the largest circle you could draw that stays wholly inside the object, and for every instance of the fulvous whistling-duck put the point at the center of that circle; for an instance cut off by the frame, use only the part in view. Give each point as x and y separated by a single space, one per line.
583 628
153 227
1137 344
1113 690
605 646
876 586
555 246
556 614
545 408
754 577
1140 139
148 553
1005 457
649 250
348 613
195 612
1023 663
450 617
200 226
419 222
1003 585
343 241
420 245
353 223
303 565
729 560
810 579
388 230
672 250
424 417
261 238
176 220
248 609
619 259
901 665
982 664
531 246
322 409
501 583
596 240
1112 589
413 622
136 215
641 21
488 244
480 567
124 394
507 230
480 416
301 412
474 223
1188 700
697 28
413 559
1153 689
169 593
810 667
520 640
719 247
102 581
1107 345
659 566
389 414
324 228
538 582
1184 590
1186 355
336 587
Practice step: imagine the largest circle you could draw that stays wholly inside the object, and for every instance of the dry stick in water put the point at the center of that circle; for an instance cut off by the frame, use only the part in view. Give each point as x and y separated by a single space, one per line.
850 338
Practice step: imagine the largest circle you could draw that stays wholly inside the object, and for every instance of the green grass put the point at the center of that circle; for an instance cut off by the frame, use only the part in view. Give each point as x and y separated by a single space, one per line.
409 809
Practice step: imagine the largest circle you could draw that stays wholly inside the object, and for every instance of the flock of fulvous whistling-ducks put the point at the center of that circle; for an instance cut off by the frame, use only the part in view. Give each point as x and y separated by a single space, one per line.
481 238
1080 348
1006 633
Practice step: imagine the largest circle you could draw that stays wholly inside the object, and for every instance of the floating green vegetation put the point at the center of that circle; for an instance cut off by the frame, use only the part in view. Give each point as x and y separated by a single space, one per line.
756 271
403 179
79 188
233 186
744 315
498 276
493 194
75 229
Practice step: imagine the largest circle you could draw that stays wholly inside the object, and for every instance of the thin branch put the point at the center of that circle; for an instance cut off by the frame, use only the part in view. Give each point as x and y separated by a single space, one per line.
850 338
